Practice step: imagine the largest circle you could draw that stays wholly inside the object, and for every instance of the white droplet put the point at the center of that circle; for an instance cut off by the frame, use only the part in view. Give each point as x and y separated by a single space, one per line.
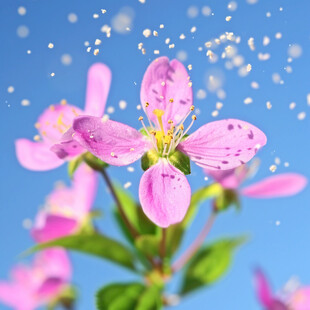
232 6
127 185
294 50
110 110
66 59
181 55
123 20
131 169
273 168
22 10
192 11
122 104
72 18
251 1
278 223
201 94
11 89
248 100
27 223
50 45
301 116
206 11
22 31
25 102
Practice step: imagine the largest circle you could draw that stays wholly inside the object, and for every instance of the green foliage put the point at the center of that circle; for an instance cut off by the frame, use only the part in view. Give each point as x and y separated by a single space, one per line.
73 165
148 244
134 213
92 244
128 296
228 198
210 264
94 162
180 161
175 232
149 159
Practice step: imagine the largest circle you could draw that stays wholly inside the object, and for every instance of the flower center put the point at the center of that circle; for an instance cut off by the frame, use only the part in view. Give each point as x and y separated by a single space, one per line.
166 142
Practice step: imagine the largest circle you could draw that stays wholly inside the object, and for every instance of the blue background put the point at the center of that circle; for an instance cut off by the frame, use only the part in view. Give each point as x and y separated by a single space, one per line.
281 250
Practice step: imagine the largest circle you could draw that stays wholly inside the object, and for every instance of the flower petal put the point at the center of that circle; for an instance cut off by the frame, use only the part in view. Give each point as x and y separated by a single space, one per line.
222 145
162 82
231 178
115 143
164 194
67 147
281 185
56 120
53 263
36 155
98 86
263 290
300 300
52 227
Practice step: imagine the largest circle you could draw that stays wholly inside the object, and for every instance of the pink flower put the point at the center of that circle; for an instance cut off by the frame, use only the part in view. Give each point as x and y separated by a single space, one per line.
166 96
281 185
38 284
66 209
298 299
265 295
57 119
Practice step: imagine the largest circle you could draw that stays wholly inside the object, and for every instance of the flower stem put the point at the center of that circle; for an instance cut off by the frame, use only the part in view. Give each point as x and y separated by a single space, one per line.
134 233
162 250
194 247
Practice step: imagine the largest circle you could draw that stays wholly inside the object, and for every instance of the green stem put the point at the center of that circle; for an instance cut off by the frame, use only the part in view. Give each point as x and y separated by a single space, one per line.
195 246
134 233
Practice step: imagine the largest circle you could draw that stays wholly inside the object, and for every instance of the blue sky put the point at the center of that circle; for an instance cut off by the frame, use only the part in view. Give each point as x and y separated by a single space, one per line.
282 250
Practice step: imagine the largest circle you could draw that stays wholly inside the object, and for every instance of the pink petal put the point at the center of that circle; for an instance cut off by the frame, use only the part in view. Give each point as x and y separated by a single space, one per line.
53 227
164 194
85 183
50 289
55 121
263 290
67 148
281 185
36 155
231 178
98 86
300 299
53 263
163 81
222 145
15 296
115 143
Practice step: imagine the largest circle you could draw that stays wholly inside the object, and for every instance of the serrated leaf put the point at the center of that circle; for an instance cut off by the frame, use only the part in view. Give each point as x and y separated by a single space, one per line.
180 161
73 165
210 264
92 244
149 159
128 296
175 232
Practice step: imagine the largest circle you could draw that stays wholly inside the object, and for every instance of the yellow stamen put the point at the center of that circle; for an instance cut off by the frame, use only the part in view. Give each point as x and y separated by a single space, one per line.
63 102
52 107
171 100
159 113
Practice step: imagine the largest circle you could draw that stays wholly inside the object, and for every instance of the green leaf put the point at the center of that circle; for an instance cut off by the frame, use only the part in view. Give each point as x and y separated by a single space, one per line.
228 198
149 159
148 244
128 296
73 165
210 264
94 162
92 244
175 232
134 213
180 161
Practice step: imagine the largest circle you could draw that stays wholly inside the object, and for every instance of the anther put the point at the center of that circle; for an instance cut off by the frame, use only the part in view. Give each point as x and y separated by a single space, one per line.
194 117
141 118
112 154
192 108
147 104
170 121
171 100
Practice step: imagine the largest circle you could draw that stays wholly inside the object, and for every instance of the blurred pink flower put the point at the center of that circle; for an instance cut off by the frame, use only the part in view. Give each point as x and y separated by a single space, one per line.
166 96
57 119
299 299
38 284
66 208
280 185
